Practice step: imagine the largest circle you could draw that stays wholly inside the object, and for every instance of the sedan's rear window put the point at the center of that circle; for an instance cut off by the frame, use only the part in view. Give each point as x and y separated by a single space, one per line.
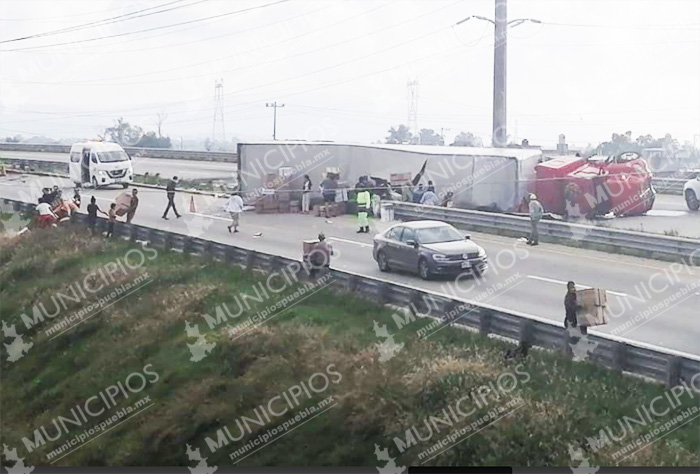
435 235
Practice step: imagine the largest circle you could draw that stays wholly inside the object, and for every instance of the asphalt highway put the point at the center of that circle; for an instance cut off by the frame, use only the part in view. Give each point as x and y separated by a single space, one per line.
648 301
187 169
670 214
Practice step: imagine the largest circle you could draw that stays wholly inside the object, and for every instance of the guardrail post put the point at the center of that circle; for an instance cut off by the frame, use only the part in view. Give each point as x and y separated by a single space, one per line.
275 263
619 356
485 322
525 336
352 284
250 261
568 351
414 300
450 311
673 371
385 293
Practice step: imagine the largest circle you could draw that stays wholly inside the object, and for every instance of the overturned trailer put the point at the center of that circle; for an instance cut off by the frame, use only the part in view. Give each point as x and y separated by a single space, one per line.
479 178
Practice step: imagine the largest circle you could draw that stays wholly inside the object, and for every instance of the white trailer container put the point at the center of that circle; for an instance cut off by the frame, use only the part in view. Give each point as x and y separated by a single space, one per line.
495 178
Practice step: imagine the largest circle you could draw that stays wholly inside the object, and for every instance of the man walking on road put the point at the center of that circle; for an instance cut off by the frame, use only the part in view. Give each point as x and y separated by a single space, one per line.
234 206
536 211
571 307
170 189
132 207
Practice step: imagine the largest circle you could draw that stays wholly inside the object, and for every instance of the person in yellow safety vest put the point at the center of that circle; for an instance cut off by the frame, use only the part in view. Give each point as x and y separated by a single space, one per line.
363 204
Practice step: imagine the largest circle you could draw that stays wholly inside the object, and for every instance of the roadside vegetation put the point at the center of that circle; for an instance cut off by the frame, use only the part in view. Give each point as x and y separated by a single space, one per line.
565 401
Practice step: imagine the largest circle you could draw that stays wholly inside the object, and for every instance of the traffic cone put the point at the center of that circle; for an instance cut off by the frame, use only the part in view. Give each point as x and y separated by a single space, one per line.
192 208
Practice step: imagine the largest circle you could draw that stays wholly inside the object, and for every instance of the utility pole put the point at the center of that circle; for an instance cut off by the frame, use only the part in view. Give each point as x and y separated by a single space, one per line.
442 134
274 105
412 96
499 137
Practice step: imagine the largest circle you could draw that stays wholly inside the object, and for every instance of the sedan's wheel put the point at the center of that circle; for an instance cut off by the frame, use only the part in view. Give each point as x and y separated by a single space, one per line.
424 269
692 200
382 262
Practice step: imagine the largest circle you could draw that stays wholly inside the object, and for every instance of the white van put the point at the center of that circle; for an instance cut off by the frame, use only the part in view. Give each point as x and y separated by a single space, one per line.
100 164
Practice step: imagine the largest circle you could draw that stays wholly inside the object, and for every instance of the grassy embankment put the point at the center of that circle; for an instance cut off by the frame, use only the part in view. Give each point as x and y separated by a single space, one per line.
565 401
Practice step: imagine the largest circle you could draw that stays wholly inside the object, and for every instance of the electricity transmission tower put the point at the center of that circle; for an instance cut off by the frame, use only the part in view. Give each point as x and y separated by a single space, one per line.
218 134
412 122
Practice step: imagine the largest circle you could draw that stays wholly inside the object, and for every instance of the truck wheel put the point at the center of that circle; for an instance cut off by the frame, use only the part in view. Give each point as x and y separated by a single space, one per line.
125 185
692 200
94 182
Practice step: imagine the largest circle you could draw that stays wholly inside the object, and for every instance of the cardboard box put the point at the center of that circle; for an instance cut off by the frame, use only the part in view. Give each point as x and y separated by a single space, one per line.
400 178
309 245
593 302
123 202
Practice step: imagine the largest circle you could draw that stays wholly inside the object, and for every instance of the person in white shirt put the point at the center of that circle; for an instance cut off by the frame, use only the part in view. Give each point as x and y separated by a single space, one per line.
46 216
234 206
429 198
306 194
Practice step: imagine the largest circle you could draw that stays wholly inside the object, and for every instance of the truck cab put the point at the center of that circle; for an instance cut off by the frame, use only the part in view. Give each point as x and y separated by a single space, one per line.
100 164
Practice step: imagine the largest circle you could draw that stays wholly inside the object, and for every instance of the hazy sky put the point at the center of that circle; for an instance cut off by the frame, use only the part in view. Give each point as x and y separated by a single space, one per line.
591 68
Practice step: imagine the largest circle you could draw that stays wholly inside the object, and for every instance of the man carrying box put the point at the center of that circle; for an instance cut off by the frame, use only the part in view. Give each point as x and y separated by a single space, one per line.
571 307
585 307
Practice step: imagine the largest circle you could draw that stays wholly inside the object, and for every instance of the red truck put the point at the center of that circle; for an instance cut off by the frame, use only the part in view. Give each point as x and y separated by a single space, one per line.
580 187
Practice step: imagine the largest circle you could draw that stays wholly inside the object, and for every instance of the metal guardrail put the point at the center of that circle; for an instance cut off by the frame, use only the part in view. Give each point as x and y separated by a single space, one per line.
35 165
669 185
621 355
165 153
677 249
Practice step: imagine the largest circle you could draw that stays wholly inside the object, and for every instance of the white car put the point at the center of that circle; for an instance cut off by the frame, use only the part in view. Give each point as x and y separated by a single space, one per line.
691 191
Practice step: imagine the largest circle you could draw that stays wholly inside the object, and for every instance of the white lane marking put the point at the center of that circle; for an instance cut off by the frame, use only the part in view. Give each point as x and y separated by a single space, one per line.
361 244
666 213
578 285
227 219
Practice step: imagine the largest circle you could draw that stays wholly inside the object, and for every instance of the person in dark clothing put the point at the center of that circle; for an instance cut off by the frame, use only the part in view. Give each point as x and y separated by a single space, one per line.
46 196
329 186
418 194
431 186
170 189
132 207
77 199
571 307
92 210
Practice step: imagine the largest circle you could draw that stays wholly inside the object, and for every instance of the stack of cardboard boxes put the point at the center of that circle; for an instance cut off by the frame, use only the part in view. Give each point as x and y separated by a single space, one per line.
279 194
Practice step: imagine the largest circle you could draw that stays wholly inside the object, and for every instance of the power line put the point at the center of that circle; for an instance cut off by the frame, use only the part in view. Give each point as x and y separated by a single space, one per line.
107 21
429 57
626 27
99 82
49 18
151 29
